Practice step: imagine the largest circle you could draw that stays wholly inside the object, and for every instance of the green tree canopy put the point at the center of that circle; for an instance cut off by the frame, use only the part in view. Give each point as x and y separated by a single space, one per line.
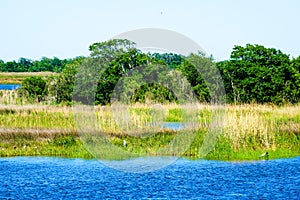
33 89
253 73
258 74
62 87
121 65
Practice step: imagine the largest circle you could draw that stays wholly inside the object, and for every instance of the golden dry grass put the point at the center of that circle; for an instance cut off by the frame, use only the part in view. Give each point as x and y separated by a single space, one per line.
261 123
18 77
249 122
9 97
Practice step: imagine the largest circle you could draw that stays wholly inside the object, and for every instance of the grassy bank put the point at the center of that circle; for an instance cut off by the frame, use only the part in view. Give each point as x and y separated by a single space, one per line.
62 146
18 77
247 131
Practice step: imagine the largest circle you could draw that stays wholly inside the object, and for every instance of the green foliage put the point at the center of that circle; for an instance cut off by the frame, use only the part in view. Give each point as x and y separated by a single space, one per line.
258 74
253 73
149 83
172 60
293 84
153 92
111 48
65 141
174 115
123 61
102 69
33 89
195 80
27 65
62 88
118 67
24 64
201 73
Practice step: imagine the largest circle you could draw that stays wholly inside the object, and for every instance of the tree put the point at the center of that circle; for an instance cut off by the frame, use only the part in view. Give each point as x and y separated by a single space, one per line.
34 89
171 59
258 74
111 48
293 86
24 64
62 87
120 66
2 65
201 73
11 66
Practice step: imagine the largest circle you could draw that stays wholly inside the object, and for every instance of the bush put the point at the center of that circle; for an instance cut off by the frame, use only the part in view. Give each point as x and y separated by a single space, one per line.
34 89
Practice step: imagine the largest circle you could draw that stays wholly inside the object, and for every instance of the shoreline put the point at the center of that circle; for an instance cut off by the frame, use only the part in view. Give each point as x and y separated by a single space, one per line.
88 156
70 147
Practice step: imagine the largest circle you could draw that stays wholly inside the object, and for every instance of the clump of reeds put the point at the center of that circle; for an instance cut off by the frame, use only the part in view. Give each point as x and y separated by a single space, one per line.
10 97
247 127
35 117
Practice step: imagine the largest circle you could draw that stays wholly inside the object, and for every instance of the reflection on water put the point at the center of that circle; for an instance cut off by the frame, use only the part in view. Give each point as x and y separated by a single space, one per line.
42 177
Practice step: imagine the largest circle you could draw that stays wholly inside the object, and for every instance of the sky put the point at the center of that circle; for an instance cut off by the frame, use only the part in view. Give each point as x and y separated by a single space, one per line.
65 28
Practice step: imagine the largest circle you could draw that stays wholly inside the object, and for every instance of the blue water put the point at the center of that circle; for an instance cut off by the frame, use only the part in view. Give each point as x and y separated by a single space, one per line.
173 125
59 178
9 86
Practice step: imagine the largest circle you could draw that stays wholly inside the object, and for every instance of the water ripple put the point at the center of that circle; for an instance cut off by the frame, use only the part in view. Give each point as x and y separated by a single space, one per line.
58 178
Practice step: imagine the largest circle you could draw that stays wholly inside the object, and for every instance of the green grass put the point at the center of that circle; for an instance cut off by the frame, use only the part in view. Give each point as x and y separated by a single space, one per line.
289 146
111 148
248 131
63 146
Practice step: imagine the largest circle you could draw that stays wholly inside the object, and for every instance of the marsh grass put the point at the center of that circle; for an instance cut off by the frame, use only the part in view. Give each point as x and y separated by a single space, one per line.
18 77
10 97
64 146
247 131
36 117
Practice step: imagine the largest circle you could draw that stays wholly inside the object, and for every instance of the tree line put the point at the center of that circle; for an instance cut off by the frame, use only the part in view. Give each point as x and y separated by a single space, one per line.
253 74
27 65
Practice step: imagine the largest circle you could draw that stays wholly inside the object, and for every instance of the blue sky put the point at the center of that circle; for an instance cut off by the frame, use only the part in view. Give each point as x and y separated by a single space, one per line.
65 28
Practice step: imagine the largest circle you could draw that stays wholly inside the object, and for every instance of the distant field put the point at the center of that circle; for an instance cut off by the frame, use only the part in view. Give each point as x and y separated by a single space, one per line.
18 77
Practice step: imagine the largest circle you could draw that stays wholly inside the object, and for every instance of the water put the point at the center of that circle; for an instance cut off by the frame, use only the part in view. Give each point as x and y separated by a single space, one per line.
59 178
173 125
9 86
